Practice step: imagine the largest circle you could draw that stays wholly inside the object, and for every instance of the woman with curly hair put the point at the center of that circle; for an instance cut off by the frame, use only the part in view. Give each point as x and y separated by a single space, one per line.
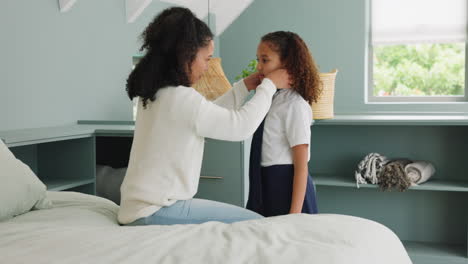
173 119
279 178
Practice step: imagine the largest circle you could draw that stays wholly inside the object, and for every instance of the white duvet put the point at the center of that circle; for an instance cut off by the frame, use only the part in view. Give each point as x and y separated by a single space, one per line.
83 229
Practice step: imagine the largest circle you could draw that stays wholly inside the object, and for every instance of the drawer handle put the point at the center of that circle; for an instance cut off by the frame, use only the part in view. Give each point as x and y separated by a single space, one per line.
211 177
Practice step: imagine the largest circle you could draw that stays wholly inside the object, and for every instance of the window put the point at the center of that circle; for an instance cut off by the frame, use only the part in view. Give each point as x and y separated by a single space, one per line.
418 50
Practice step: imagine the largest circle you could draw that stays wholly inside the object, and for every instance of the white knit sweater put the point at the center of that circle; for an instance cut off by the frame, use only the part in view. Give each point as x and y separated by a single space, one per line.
167 151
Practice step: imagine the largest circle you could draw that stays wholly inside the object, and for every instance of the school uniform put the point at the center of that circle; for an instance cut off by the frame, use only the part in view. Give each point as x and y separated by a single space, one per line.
271 169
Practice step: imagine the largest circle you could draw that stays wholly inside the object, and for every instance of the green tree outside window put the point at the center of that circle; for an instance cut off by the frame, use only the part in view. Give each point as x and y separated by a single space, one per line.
419 70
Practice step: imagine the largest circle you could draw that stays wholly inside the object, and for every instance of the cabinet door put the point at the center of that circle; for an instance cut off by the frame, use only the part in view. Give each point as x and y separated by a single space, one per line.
222 173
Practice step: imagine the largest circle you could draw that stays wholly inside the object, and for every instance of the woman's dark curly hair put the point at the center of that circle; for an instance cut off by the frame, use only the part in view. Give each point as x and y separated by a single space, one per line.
298 61
171 41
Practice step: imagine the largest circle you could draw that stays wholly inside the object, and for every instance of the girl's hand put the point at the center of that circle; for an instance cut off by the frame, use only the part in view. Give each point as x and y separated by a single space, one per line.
252 81
280 78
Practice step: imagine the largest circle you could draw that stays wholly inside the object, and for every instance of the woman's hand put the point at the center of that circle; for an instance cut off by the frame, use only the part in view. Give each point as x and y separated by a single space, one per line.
280 78
252 81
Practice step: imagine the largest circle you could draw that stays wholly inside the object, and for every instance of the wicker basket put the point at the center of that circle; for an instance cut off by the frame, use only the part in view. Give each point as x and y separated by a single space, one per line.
213 82
323 108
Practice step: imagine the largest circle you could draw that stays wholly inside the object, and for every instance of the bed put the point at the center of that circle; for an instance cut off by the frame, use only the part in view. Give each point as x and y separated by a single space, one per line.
39 226
80 228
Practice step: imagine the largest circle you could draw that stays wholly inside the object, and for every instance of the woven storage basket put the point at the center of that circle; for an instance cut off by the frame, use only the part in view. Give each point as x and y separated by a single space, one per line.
213 82
323 108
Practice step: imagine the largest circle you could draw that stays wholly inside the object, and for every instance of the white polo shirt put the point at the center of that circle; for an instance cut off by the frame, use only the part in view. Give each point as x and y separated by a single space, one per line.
287 124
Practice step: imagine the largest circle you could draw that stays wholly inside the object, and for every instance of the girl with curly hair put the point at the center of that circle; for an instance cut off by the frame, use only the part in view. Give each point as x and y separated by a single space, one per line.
173 120
279 178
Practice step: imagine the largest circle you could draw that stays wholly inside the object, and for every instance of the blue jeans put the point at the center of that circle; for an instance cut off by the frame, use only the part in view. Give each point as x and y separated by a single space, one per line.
197 211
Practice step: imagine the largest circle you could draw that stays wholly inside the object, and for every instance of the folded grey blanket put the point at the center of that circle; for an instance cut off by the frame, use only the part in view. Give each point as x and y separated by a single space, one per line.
108 181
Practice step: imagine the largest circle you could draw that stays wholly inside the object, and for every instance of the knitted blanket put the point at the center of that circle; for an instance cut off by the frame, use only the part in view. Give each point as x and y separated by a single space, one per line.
369 169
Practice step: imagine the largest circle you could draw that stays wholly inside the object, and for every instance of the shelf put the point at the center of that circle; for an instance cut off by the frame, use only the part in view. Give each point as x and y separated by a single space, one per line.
432 185
400 120
23 137
368 119
63 184
109 128
84 129
115 132
434 253
106 122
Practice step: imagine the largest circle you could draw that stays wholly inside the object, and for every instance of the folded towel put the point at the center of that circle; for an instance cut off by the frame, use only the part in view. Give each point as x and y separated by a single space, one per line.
419 171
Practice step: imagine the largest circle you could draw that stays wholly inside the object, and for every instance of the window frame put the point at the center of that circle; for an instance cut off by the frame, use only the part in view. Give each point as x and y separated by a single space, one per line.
370 98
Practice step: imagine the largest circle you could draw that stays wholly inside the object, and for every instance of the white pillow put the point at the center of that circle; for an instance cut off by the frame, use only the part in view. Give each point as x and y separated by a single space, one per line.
20 189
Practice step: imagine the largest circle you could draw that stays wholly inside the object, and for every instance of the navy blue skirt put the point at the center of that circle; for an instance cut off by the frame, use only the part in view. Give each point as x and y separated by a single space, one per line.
277 190
271 188
274 194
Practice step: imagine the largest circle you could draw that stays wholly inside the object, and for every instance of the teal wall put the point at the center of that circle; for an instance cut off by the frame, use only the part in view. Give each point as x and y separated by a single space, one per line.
56 68
336 32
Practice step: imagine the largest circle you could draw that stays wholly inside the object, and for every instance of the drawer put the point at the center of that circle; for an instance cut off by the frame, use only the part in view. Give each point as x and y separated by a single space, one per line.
222 158
222 172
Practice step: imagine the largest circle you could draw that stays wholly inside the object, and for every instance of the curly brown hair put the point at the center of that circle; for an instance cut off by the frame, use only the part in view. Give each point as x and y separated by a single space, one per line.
298 61
171 42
